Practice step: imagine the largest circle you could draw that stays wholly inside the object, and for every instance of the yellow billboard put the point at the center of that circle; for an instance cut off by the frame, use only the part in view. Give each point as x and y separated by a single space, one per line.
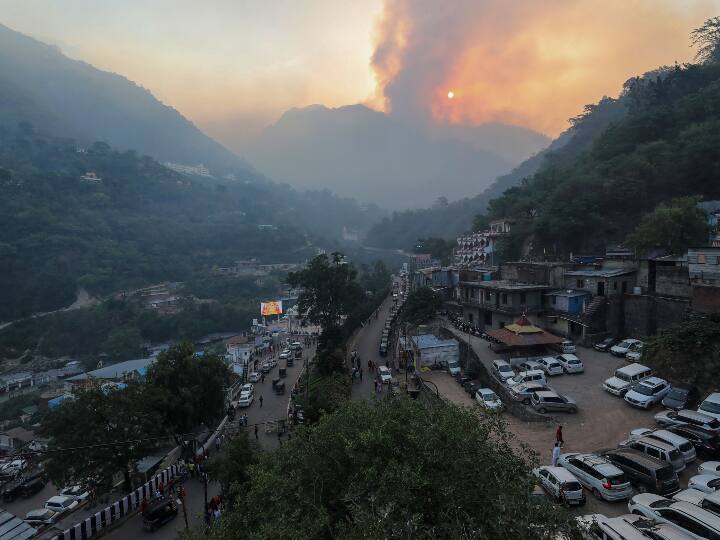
274 307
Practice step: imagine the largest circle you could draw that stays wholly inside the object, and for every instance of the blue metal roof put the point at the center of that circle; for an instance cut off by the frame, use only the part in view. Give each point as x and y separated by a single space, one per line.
429 341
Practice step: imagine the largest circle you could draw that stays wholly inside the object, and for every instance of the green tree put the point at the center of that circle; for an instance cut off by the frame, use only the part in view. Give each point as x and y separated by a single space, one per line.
439 248
707 39
188 390
420 306
674 227
394 469
480 223
328 290
231 466
124 343
100 431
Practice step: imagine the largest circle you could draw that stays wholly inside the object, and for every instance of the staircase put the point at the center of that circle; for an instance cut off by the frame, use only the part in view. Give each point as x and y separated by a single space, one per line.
594 314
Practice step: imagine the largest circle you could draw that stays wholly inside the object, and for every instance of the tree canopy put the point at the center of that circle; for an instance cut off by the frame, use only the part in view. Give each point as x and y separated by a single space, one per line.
707 40
673 227
393 469
420 306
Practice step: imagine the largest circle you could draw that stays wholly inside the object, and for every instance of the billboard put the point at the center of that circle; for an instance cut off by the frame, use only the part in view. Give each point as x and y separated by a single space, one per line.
274 307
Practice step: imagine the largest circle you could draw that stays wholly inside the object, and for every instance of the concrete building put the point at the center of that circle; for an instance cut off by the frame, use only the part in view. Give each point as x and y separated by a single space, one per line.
240 349
120 372
15 438
441 279
495 303
602 282
430 350
551 274
478 248
704 272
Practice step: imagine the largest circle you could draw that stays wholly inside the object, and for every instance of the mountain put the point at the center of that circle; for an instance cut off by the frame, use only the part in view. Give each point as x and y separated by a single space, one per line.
373 157
70 98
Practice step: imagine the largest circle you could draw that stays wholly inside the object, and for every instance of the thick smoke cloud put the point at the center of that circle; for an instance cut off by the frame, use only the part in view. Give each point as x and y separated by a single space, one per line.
528 63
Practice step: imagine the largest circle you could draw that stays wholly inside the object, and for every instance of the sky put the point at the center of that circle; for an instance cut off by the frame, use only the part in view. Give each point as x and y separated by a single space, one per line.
234 66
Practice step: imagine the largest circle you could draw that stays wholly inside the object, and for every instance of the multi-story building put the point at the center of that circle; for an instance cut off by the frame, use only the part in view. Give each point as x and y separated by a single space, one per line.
704 271
495 303
478 248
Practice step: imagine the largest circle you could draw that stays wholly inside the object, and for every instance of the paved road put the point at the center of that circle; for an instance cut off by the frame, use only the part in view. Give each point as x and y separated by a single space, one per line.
274 407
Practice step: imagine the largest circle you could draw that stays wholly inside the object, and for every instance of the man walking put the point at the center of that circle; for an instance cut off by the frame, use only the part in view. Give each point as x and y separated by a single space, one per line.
559 435
555 454
260 400
256 435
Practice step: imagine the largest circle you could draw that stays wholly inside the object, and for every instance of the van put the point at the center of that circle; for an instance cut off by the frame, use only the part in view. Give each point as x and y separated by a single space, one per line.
453 368
600 527
646 472
625 378
566 347
535 375
711 405
706 501
560 484
659 449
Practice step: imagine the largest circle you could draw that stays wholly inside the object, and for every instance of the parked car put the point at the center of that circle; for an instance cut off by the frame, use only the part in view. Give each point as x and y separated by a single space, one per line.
627 527
502 370
523 392
605 344
599 475
453 368
265 367
273 362
707 501
681 398
687 416
684 446
530 365
567 347
284 356
710 467
246 398
561 484
296 346
41 517
693 520
647 392
707 445
707 483
622 348
635 352
551 366
658 449
551 401
254 377
77 492
570 363
527 376
711 405
625 378
488 399
32 485
385 374
61 504
647 473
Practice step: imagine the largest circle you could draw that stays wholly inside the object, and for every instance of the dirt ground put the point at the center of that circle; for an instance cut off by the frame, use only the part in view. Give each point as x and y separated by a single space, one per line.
602 421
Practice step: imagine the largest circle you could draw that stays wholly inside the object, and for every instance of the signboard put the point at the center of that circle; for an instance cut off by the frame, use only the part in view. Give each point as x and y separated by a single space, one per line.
271 308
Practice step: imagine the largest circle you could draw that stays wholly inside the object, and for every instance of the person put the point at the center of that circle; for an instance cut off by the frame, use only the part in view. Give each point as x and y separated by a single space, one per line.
143 506
559 435
260 400
256 431
217 444
279 437
556 454
216 514
369 364
161 487
208 516
262 377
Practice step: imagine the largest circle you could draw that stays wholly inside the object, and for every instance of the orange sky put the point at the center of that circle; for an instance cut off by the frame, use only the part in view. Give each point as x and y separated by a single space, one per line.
233 66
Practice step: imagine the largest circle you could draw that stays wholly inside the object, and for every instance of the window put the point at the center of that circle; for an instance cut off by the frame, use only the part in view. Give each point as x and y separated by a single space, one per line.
654 452
504 298
580 283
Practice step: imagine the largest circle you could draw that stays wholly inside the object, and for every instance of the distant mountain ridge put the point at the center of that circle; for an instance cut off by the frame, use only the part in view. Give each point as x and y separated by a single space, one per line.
71 98
373 157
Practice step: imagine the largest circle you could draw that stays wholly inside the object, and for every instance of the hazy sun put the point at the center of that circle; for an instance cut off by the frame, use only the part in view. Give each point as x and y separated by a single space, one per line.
451 94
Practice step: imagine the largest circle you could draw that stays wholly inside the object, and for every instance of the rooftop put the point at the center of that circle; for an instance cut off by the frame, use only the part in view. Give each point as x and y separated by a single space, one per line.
570 293
20 433
505 285
609 273
115 371
429 341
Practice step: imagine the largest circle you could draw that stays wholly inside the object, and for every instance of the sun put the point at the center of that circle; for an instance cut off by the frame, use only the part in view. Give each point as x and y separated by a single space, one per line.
451 94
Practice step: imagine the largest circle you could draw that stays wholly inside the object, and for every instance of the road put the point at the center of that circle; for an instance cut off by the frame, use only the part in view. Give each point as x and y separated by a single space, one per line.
274 407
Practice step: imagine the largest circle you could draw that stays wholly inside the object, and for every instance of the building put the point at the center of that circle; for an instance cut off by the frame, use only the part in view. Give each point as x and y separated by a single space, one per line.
551 274
495 303
574 314
478 248
704 272
713 213
522 338
197 170
429 350
440 279
602 282
15 438
120 372
239 349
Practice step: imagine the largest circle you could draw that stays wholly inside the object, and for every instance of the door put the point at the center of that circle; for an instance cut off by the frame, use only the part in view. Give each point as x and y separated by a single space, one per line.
601 288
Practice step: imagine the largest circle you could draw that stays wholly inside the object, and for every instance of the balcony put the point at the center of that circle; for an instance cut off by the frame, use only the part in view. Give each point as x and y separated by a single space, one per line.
508 309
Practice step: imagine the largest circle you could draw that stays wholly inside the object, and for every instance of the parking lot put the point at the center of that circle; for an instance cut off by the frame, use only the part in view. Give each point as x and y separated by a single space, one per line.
602 420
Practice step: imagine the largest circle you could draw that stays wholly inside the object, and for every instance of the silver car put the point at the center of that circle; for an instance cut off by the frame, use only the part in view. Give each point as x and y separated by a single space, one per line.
599 475
549 401
523 392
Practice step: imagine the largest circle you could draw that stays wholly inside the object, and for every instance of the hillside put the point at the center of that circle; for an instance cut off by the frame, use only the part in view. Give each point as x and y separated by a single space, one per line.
69 98
373 157
666 146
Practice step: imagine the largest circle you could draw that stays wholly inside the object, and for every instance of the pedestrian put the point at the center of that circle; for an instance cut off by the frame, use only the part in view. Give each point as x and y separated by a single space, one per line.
260 400
369 364
279 437
262 378
217 443
559 435
161 487
216 514
143 506
208 516
555 454
256 430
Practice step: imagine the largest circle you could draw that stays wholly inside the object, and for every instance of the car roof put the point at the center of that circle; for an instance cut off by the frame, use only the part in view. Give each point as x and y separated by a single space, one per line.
568 356
653 381
699 513
500 362
38 512
714 397
638 456
654 442
669 435
485 391
547 393
689 413
633 369
58 498
532 372
561 473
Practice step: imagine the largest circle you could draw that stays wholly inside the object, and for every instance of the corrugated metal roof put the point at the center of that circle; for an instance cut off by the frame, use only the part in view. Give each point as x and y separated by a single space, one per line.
600 273
14 528
114 371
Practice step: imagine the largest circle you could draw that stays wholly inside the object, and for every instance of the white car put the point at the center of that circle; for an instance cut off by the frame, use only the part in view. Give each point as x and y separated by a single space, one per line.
710 467
385 374
560 484
523 392
79 493
550 366
635 352
711 405
527 376
627 527
41 516
246 398
682 514
647 392
503 370
16 466
61 504
488 399
530 365
254 377
690 417
570 363
707 483
622 348
684 446
273 363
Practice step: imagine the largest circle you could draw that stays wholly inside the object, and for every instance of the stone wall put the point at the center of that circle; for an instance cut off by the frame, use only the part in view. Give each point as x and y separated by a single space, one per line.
672 281
706 299
644 315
